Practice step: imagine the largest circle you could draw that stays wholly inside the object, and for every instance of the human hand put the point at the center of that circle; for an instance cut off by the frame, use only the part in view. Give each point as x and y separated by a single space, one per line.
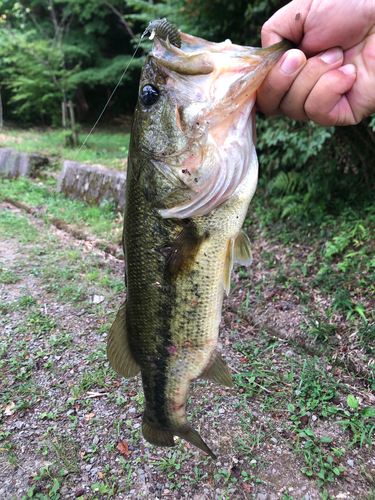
335 86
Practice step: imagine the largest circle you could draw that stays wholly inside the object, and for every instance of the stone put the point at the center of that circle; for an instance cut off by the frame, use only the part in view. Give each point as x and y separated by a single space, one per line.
97 299
91 184
350 462
19 164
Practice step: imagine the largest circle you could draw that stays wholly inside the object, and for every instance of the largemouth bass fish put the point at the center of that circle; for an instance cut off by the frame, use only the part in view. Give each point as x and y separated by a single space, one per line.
192 171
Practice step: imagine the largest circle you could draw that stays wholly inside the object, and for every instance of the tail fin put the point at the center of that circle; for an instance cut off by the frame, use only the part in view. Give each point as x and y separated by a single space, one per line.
193 437
156 436
160 437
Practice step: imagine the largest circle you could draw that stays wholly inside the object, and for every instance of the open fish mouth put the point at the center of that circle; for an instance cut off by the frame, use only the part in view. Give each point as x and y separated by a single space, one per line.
211 87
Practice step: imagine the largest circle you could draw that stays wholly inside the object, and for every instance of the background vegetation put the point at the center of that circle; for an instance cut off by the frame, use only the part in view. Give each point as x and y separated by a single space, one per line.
56 50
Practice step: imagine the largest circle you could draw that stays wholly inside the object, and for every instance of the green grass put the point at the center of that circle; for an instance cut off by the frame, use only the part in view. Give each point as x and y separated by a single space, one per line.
101 221
296 383
106 148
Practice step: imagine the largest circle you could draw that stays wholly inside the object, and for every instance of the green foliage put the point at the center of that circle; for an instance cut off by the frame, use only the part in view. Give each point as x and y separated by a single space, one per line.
310 171
319 464
361 422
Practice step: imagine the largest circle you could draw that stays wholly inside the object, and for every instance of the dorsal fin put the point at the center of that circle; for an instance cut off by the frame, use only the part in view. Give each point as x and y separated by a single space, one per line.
118 352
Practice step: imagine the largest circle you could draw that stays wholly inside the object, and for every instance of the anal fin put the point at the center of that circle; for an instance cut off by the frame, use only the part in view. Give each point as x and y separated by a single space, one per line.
118 352
218 372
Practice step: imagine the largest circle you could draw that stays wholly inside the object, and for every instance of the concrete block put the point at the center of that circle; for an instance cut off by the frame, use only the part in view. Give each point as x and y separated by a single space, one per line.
19 164
92 185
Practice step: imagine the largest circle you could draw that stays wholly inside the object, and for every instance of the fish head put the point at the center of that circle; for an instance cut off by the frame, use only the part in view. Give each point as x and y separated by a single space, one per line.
193 133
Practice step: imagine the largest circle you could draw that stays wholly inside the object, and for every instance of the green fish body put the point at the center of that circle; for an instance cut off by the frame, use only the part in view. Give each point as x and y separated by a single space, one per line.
192 172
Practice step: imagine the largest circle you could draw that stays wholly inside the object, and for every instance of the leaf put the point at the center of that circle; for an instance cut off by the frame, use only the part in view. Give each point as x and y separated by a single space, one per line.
325 439
336 471
368 412
100 474
89 416
291 408
123 448
321 474
309 432
9 409
246 487
352 402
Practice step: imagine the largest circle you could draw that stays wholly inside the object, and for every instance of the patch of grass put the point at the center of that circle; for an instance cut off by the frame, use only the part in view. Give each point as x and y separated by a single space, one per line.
101 221
14 225
106 148
39 323
319 325
8 276
360 422
320 462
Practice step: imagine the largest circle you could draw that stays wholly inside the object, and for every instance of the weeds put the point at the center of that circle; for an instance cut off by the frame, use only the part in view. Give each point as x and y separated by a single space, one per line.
359 422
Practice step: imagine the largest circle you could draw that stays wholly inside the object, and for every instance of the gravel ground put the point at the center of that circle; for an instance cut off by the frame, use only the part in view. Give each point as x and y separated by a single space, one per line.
70 427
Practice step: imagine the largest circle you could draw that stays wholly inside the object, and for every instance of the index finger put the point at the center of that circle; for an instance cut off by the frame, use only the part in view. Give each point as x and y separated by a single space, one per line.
288 22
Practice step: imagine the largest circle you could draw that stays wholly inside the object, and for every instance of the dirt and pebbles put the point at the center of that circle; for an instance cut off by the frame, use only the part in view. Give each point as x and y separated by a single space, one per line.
70 427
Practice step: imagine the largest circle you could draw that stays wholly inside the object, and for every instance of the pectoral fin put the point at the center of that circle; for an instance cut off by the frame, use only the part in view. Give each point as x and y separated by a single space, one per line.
183 252
118 351
242 249
218 372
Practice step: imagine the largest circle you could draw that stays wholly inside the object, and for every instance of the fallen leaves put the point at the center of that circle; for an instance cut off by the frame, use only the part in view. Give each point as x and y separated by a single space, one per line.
235 472
9 409
246 487
89 416
123 448
304 420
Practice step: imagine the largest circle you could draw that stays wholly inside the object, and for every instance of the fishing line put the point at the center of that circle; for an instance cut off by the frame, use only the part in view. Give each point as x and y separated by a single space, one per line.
110 97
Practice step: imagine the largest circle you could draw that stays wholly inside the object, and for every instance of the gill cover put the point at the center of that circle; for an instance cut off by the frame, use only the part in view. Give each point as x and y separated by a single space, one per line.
210 150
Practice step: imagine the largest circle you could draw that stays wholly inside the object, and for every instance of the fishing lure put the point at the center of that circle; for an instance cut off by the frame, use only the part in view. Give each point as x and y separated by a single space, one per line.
164 30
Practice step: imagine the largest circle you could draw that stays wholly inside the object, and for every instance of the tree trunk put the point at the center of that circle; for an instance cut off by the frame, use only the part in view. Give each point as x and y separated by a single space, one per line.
63 114
72 122
1 111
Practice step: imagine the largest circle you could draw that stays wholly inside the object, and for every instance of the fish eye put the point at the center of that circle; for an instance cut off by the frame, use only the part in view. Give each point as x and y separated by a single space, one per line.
149 95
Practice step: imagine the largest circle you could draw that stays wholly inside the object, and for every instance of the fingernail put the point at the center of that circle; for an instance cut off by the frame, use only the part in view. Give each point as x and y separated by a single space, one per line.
292 62
348 69
331 55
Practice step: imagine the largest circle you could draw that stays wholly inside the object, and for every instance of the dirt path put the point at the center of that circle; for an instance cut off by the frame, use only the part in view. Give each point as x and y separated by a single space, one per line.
70 428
